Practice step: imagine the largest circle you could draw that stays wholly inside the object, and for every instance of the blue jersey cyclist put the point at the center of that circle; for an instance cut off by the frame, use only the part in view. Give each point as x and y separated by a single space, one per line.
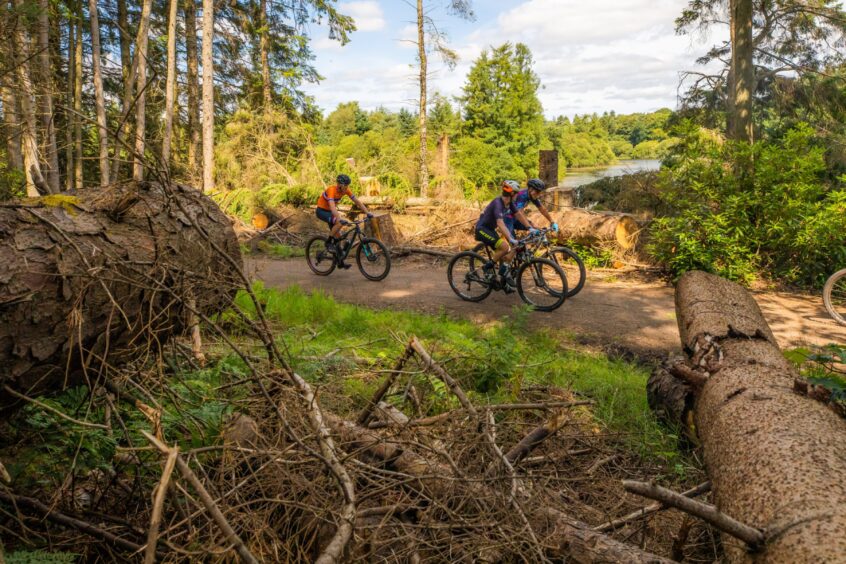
531 194
492 230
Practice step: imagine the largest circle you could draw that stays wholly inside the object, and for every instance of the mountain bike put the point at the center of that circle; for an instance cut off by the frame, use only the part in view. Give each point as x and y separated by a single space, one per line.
565 257
540 282
371 255
834 296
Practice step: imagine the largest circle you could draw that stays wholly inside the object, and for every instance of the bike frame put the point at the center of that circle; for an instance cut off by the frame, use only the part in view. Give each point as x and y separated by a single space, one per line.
356 233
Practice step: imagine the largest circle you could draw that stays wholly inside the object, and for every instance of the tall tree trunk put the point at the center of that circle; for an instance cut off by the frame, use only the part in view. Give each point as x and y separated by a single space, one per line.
35 183
170 88
100 102
731 106
123 31
421 53
208 96
190 8
70 118
129 66
264 45
77 100
141 88
51 174
11 124
744 71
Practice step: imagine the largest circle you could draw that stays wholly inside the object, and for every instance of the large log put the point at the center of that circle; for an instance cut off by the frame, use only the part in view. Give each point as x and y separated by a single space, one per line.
777 460
103 274
592 228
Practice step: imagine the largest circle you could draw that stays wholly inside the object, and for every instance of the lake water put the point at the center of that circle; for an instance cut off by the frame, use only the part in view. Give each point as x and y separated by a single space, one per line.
580 177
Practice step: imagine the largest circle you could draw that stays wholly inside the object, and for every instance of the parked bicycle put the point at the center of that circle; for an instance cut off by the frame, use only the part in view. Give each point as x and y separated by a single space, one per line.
539 281
834 296
371 255
565 257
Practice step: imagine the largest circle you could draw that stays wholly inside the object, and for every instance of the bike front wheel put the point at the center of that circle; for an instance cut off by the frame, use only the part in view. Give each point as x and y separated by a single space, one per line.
834 296
467 278
542 284
373 259
321 260
573 267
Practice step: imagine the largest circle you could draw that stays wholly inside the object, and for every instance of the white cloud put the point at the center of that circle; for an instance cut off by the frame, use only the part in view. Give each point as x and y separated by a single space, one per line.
367 14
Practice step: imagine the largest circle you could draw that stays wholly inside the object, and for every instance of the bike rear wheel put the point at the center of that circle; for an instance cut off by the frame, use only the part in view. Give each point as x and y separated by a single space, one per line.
373 259
834 296
542 284
573 267
320 259
466 277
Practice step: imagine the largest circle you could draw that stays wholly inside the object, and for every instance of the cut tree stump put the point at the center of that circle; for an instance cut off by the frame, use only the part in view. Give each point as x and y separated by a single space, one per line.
777 460
92 277
597 228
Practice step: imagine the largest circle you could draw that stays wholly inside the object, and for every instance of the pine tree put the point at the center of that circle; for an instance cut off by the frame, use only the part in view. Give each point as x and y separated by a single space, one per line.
501 105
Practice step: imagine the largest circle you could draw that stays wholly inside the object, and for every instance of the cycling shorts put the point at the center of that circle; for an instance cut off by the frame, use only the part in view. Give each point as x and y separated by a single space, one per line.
489 237
326 215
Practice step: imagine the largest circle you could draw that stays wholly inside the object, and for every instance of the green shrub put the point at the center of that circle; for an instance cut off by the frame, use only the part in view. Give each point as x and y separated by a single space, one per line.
299 195
737 210
483 164
12 182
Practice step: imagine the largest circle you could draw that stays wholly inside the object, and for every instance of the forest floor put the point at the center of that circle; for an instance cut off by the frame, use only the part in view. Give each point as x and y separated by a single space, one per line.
626 312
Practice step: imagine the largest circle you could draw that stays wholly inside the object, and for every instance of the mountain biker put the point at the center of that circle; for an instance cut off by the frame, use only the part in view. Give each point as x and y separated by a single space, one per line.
531 194
327 210
492 230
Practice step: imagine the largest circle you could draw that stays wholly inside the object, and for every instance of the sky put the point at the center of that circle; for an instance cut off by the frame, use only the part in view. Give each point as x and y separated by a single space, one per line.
590 55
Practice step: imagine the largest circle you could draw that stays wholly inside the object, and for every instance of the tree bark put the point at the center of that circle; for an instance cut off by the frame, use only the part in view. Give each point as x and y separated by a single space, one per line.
776 459
100 101
193 87
35 183
591 228
208 96
51 151
742 50
141 88
77 100
170 87
421 54
264 46
130 70
92 277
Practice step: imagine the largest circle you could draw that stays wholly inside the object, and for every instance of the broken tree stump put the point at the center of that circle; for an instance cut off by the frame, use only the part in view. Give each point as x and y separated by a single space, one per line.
776 459
92 277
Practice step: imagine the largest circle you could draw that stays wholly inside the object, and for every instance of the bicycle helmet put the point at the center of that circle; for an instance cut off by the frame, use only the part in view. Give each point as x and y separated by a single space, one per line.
535 184
343 180
509 187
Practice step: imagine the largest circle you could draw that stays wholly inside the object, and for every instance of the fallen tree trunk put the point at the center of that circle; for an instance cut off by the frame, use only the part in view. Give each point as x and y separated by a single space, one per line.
595 228
102 275
776 459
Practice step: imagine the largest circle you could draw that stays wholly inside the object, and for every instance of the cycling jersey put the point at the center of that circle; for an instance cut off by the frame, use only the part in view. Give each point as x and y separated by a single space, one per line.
494 211
522 199
332 194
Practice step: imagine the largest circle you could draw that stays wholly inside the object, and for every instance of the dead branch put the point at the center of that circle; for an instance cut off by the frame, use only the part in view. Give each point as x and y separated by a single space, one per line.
538 435
207 501
58 517
707 512
386 385
650 509
158 504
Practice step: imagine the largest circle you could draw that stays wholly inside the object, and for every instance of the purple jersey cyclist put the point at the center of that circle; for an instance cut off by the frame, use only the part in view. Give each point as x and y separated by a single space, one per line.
494 233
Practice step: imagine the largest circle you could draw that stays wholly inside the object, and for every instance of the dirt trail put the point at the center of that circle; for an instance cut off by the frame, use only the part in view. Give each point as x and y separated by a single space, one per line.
639 316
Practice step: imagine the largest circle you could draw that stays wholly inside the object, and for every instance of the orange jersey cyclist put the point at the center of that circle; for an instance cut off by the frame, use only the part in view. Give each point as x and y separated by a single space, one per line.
492 230
327 209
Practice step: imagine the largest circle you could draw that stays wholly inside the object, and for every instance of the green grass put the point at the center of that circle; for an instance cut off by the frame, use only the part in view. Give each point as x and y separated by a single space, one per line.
277 250
491 361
